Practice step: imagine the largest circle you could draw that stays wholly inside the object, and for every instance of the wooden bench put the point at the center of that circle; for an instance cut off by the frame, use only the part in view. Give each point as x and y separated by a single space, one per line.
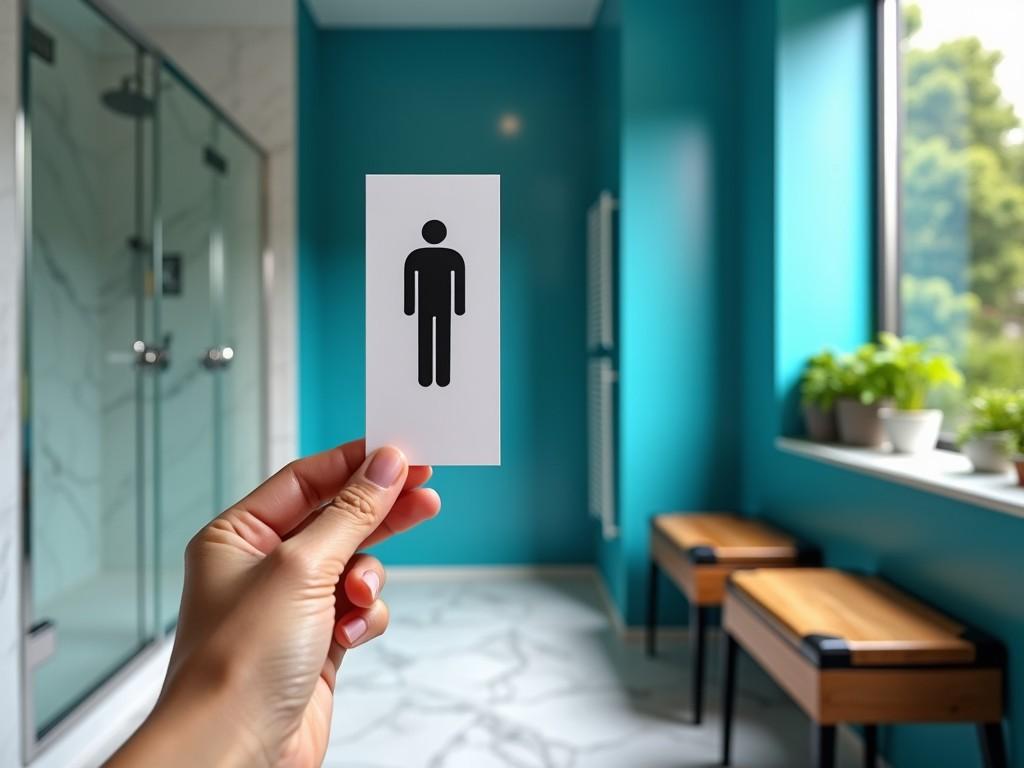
698 551
852 648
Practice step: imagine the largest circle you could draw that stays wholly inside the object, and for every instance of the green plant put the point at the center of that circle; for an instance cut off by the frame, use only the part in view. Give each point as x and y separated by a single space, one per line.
821 384
863 376
912 371
993 410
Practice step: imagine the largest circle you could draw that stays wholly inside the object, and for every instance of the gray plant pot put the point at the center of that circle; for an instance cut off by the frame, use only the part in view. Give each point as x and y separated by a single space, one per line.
859 424
821 424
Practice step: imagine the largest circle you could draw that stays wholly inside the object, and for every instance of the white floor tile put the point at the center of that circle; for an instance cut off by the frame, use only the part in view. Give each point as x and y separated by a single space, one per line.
528 673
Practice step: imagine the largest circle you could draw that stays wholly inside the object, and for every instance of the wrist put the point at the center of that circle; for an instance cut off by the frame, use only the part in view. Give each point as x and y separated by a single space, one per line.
196 721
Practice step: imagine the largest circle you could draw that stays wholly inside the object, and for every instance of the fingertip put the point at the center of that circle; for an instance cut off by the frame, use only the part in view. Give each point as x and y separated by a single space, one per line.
386 467
350 630
364 580
361 625
432 501
371 580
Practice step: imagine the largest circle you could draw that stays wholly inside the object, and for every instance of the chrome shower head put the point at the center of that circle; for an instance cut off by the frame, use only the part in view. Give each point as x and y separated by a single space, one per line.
127 100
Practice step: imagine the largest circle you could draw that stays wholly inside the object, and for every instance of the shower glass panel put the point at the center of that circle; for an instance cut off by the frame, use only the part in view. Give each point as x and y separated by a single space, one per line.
189 431
242 325
211 436
144 356
89 97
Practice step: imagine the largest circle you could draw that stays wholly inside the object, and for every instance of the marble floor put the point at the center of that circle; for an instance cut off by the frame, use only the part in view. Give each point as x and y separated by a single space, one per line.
528 673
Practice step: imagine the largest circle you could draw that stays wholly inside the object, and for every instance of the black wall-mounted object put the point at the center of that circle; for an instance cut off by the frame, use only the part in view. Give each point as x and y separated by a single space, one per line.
215 160
42 44
173 274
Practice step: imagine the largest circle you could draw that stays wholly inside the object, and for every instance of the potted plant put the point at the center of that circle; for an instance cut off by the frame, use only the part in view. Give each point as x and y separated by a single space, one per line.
1017 447
1016 451
913 373
989 437
863 389
819 388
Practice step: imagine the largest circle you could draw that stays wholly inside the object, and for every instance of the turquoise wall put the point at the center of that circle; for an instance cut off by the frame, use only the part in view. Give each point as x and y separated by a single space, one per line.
810 83
825 161
740 137
606 98
308 219
429 102
606 86
678 293
757 208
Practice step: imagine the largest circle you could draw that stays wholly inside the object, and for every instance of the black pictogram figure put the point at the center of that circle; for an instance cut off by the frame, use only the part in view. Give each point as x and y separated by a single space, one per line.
428 293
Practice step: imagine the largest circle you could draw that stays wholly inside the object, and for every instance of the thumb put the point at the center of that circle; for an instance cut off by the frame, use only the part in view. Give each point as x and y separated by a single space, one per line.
356 512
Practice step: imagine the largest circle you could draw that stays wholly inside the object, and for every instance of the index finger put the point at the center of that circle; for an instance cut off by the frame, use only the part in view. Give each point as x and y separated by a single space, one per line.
286 499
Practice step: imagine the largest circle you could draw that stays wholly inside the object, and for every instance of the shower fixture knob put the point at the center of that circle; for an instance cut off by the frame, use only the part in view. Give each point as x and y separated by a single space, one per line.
217 357
151 356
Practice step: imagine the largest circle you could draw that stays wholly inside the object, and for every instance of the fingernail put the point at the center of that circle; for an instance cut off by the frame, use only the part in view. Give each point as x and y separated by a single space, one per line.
372 581
353 629
385 468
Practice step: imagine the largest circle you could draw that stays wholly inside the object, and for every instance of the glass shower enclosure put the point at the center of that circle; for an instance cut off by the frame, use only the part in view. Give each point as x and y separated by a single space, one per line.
144 381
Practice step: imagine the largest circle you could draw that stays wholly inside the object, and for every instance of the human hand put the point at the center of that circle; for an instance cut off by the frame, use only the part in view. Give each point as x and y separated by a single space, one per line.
274 593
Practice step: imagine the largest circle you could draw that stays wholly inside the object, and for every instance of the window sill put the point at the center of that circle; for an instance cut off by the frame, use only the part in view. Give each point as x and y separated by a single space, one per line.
946 473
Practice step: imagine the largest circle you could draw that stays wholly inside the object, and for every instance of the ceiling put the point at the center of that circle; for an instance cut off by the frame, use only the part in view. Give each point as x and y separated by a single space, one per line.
363 13
204 13
456 13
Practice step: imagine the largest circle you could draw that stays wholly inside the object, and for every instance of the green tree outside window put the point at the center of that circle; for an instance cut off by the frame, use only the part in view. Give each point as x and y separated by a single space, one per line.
962 283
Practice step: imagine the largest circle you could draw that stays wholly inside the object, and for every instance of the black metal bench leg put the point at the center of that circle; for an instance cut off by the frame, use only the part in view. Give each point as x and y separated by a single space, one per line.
823 745
728 693
993 748
652 608
870 746
698 617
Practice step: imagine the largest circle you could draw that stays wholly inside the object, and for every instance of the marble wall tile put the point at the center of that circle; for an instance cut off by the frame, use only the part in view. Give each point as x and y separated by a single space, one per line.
10 410
66 350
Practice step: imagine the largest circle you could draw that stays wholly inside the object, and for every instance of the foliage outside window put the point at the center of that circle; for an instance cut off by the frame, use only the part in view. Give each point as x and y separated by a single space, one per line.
962 186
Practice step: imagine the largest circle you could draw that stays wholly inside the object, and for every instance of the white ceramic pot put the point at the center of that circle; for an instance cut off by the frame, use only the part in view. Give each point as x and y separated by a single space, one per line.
912 431
990 452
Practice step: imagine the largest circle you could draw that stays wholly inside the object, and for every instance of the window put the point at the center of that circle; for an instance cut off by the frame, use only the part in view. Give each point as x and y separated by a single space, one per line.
953 189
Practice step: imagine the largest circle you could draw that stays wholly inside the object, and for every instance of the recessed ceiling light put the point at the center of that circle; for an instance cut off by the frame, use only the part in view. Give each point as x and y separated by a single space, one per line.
510 125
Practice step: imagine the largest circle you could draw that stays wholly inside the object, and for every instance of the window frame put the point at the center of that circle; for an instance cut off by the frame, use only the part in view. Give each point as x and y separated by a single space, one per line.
890 119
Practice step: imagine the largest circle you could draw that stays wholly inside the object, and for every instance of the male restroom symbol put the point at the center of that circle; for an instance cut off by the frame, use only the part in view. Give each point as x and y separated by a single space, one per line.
428 293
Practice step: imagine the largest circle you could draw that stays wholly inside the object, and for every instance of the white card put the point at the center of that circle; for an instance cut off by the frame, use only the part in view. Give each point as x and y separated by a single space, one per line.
433 317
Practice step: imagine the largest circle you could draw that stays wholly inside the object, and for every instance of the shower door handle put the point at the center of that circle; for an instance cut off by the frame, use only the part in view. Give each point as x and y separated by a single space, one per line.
216 358
41 643
152 355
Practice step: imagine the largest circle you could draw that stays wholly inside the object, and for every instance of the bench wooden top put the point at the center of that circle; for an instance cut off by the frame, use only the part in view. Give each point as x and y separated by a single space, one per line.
729 537
860 618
